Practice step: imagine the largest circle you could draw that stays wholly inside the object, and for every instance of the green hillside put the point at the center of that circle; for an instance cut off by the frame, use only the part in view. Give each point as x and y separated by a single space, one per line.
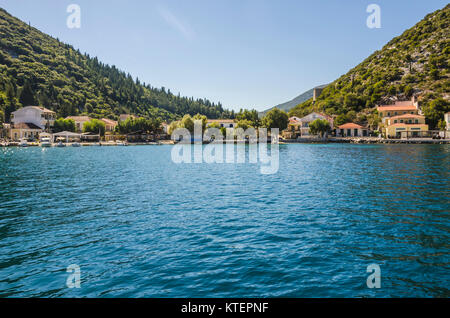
36 69
414 63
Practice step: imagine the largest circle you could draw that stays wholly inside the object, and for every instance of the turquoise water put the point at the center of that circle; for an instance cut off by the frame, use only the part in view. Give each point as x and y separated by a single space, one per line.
139 225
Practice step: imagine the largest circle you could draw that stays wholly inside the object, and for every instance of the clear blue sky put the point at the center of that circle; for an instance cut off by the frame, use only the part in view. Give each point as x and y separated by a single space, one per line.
244 53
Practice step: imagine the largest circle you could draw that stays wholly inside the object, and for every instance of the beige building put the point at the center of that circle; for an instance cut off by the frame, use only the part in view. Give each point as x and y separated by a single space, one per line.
110 125
406 126
79 121
396 109
402 120
293 129
352 130
27 131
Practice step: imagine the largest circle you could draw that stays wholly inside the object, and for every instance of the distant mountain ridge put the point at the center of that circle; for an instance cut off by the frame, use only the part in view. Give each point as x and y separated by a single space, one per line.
287 106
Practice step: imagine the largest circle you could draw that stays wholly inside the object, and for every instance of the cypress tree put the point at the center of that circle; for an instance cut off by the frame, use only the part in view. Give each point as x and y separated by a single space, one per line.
26 97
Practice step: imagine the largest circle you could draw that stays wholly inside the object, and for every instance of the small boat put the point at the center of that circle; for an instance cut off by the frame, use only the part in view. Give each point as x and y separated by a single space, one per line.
45 142
76 144
60 144
121 143
23 143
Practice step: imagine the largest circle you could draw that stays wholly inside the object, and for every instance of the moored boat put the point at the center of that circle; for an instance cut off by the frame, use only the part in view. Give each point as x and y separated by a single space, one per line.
23 143
45 142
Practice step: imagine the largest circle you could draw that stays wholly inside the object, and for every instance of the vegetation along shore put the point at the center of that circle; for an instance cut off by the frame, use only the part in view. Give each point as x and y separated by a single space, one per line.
52 93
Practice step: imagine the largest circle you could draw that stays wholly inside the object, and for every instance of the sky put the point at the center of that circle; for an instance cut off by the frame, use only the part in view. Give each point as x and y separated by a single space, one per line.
243 53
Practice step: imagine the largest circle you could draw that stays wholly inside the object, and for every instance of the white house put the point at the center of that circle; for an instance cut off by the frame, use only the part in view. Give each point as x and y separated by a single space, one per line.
36 115
447 120
226 123
305 121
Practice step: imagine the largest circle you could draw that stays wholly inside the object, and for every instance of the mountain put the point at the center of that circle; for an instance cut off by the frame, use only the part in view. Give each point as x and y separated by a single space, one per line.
37 69
416 63
294 102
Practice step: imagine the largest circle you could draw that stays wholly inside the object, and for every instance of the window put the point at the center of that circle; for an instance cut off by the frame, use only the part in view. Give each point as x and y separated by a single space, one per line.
389 114
395 121
395 113
416 121
401 121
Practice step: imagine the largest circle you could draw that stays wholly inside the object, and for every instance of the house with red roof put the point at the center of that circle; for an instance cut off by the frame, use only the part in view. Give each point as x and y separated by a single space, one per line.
110 125
352 130
402 120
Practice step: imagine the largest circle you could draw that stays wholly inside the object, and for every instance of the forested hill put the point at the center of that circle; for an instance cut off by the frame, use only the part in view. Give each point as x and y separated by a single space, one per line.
37 69
414 63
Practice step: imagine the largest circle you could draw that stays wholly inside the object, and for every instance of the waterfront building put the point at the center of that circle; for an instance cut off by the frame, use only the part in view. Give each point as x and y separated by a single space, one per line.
226 123
293 129
79 121
396 109
27 131
36 116
110 125
67 135
402 120
5 130
305 121
352 130
406 126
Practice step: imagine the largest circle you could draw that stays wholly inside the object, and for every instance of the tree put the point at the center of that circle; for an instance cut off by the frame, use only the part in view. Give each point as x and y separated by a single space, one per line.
187 123
62 124
442 125
214 125
435 110
94 126
409 60
131 125
26 97
173 125
319 127
251 116
203 118
374 120
345 118
276 119
244 124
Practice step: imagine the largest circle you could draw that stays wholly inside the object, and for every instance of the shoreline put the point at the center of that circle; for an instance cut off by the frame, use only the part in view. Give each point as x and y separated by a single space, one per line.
367 141
288 141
